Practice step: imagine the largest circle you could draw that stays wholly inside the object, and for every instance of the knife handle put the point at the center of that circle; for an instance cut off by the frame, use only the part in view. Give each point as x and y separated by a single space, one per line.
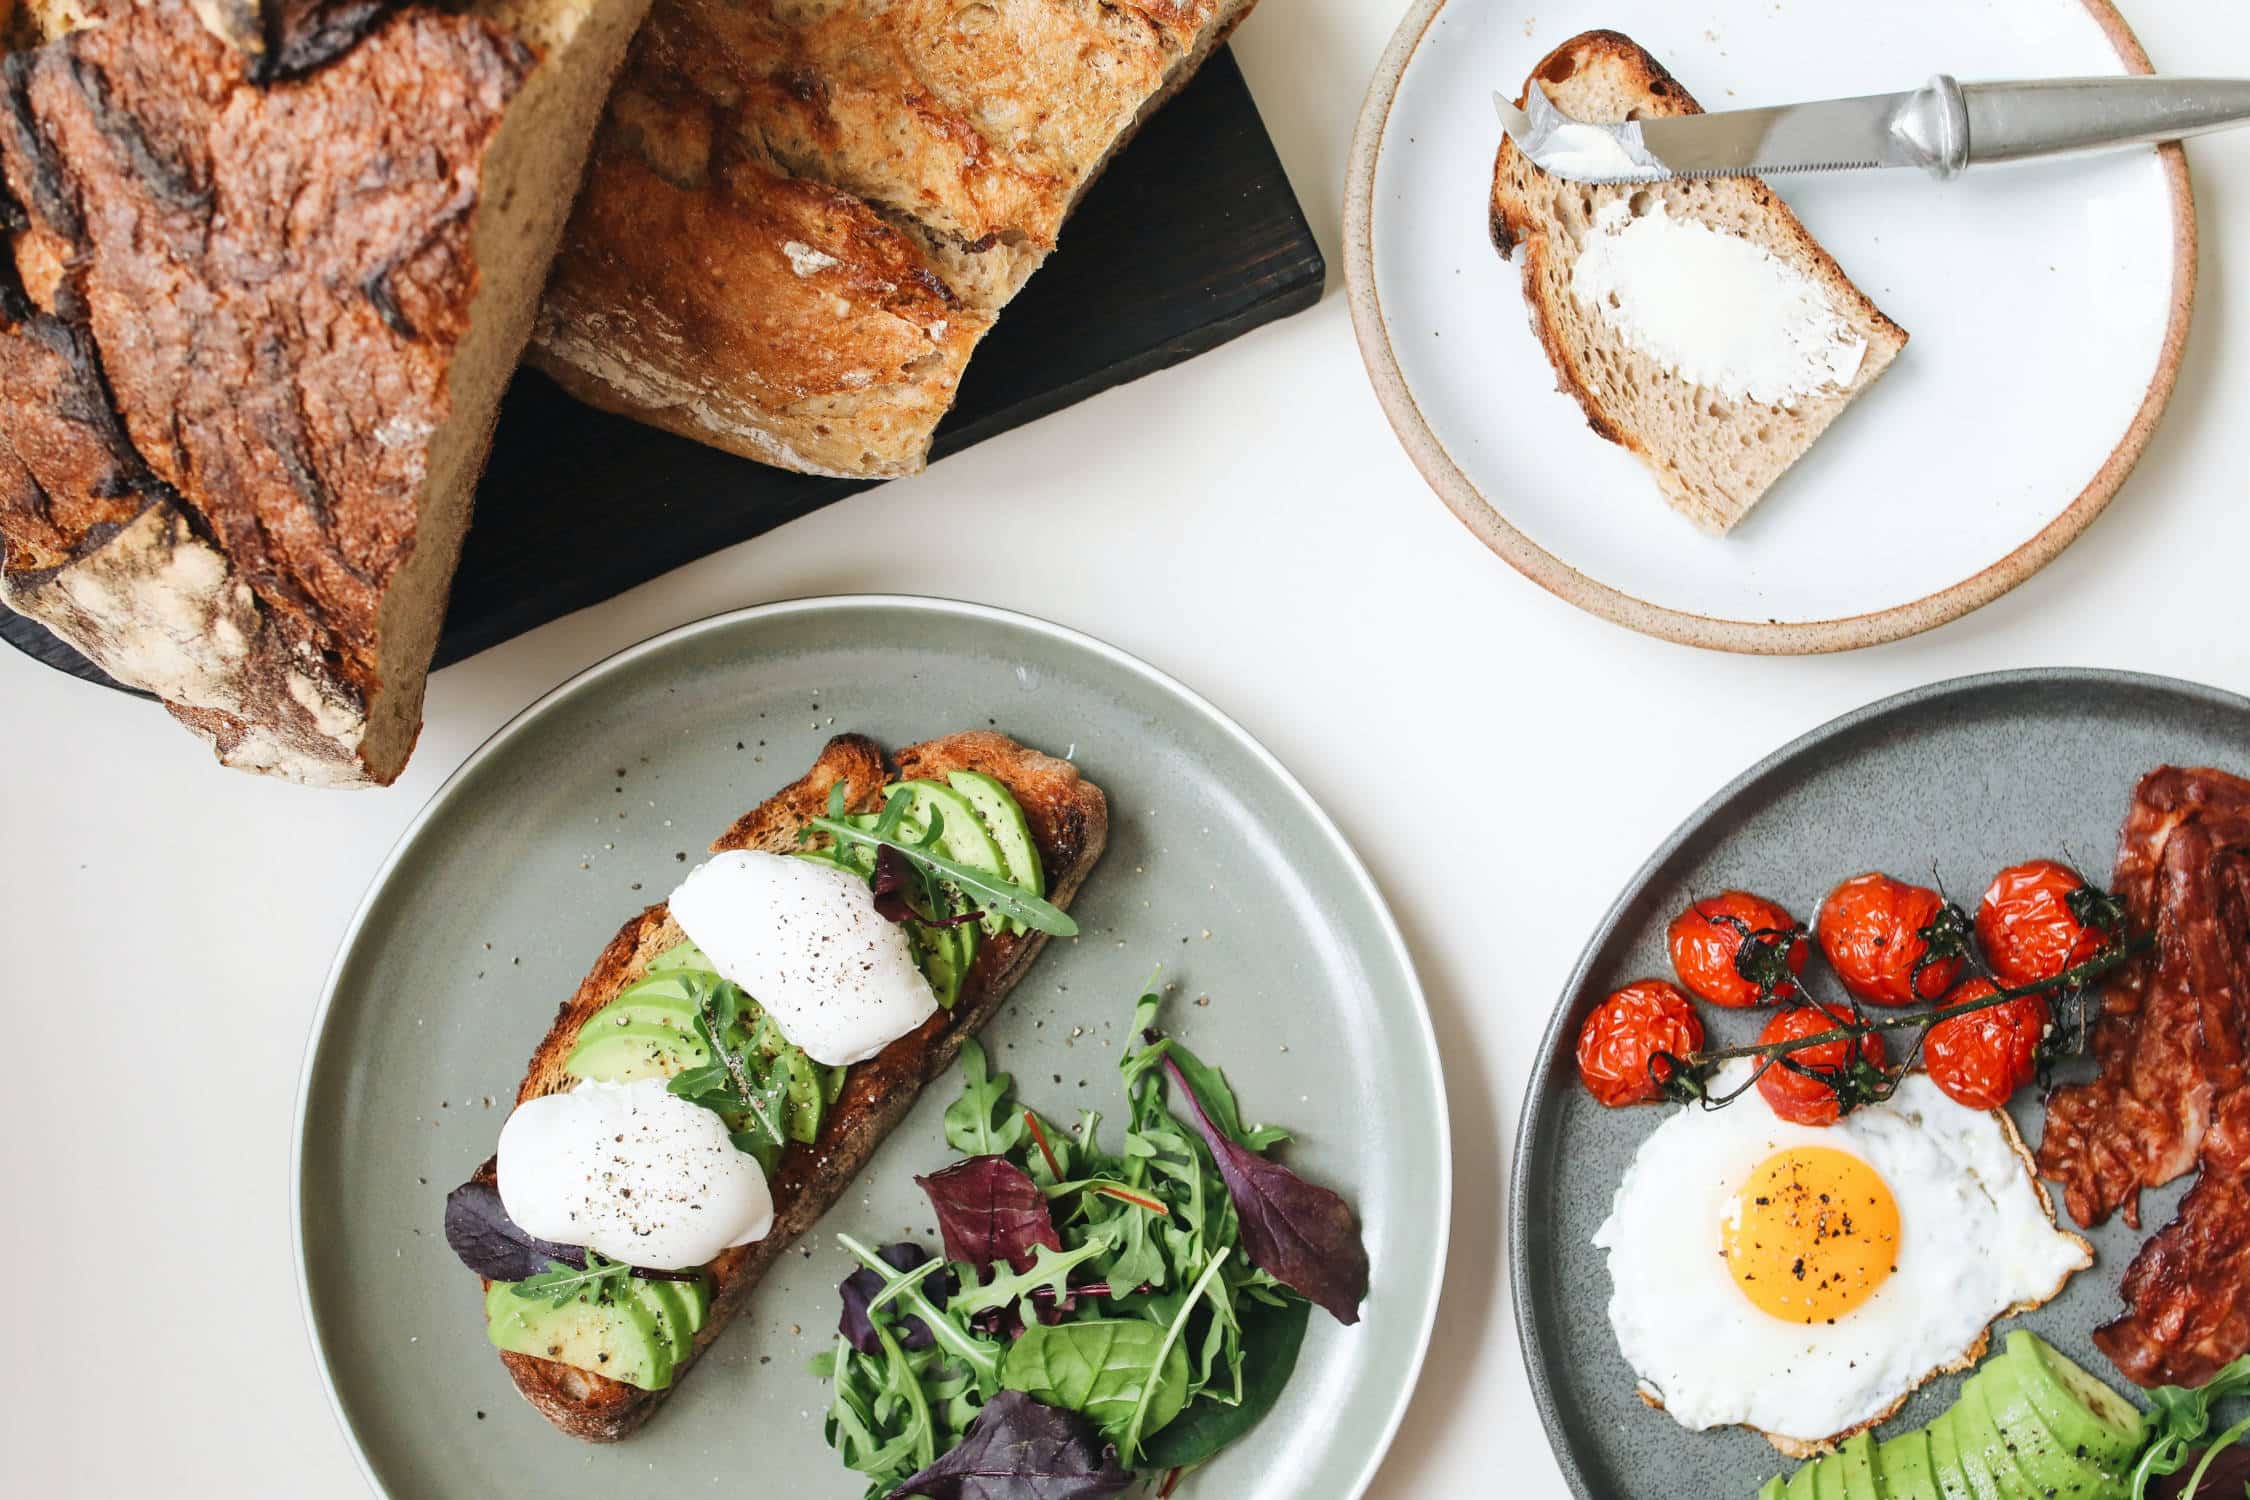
2052 117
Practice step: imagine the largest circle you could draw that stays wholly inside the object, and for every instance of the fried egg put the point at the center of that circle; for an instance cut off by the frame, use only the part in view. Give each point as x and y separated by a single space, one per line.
1803 1280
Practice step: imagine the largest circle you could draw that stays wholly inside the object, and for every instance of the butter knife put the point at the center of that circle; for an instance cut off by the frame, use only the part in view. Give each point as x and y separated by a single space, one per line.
1943 128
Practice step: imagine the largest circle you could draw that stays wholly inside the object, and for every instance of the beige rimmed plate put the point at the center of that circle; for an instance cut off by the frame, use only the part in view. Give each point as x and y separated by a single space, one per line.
2048 303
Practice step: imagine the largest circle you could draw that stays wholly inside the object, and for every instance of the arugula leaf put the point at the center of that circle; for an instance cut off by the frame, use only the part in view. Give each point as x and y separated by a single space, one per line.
1020 1449
991 891
859 1290
983 1121
1144 1410
751 1091
1272 1334
989 1210
1050 1272
1303 1234
2179 1421
561 1282
951 1333
1126 1374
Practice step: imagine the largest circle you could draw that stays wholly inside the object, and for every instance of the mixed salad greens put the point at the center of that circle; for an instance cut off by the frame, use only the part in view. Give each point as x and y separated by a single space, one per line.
1095 1311
2181 1420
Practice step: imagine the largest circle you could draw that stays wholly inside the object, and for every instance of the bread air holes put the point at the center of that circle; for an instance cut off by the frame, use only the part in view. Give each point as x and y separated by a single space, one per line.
1639 204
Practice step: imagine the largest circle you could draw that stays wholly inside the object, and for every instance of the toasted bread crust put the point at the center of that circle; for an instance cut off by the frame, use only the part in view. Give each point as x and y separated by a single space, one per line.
1520 221
1069 821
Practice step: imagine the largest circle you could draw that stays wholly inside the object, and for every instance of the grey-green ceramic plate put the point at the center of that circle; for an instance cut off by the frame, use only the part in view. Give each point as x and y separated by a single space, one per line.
594 801
1971 775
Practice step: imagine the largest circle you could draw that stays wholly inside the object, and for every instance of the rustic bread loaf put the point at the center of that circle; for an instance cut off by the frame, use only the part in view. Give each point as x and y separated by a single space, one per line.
1714 453
271 266
859 188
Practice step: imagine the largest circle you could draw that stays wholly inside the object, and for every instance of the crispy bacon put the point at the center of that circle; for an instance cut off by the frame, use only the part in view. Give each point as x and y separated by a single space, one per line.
2173 1088
2189 1288
2175 1032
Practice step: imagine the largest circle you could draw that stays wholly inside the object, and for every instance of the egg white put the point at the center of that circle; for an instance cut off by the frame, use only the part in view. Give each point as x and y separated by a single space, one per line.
1977 1239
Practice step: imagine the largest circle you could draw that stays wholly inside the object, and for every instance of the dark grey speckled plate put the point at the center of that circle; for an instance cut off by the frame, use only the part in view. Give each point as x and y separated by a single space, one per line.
1971 775
595 801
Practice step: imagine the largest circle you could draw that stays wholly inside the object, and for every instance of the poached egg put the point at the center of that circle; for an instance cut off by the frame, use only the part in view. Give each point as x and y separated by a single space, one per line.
1804 1280
804 940
633 1171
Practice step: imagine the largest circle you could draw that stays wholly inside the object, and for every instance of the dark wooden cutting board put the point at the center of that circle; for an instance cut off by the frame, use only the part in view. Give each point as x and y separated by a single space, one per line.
1193 237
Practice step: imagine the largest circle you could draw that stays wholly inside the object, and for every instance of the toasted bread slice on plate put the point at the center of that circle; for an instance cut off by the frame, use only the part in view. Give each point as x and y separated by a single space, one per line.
1697 322
1068 818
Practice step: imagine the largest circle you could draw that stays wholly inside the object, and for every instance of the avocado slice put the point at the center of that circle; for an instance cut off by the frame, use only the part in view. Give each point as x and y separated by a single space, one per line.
961 837
666 999
634 1050
2048 1468
1805 1483
1903 1465
618 1339
2023 1471
1004 820
695 1299
1828 1477
1974 1444
681 955
2084 1415
668 1311
1772 1488
1945 1461
1855 1463
945 954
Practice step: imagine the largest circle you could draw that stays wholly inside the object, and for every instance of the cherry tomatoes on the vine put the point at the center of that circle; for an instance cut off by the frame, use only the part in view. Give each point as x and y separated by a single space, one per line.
1877 933
1737 950
2038 919
1982 1058
1805 1100
1623 1035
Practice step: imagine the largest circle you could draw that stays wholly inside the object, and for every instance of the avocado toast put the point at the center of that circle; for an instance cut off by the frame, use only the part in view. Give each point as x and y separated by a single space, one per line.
1066 820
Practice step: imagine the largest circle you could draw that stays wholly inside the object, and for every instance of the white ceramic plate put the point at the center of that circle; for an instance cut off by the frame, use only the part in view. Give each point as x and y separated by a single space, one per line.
2048 305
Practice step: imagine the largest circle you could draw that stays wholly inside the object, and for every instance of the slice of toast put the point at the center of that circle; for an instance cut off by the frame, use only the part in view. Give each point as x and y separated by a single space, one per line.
1714 454
1069 821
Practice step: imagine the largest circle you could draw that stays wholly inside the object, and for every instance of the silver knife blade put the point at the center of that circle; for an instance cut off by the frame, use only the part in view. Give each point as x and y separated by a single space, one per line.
1877 130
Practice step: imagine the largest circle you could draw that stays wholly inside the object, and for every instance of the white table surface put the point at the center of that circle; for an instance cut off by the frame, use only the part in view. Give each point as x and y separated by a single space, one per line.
1245 522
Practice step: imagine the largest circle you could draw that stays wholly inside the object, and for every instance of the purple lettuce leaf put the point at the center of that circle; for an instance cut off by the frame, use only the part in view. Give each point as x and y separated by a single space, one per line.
494 1245
859 1290
1303 1236
1019 1449
989 1210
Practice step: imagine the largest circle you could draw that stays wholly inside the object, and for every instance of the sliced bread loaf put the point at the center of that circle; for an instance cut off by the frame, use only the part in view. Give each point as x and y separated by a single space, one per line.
1697 323
859 187
271 267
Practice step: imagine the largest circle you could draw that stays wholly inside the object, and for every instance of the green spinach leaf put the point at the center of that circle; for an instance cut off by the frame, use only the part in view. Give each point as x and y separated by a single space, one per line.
1108 1370
1271 1337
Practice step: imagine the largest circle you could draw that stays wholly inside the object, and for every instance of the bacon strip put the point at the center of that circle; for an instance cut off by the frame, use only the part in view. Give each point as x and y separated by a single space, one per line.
2173 1089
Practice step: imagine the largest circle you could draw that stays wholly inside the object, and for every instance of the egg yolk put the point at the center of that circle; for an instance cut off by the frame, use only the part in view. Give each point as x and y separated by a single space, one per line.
1813 1234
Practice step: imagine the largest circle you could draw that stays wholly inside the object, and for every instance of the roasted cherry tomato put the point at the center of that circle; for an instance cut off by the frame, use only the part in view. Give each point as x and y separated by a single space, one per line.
2036 921
1797 1098
1626 1031
1871 927
1733 949
1982 1058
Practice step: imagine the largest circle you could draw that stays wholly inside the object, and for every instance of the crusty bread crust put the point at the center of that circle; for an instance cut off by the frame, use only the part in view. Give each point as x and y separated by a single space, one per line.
866 189
1713 460
1069 821
265 270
